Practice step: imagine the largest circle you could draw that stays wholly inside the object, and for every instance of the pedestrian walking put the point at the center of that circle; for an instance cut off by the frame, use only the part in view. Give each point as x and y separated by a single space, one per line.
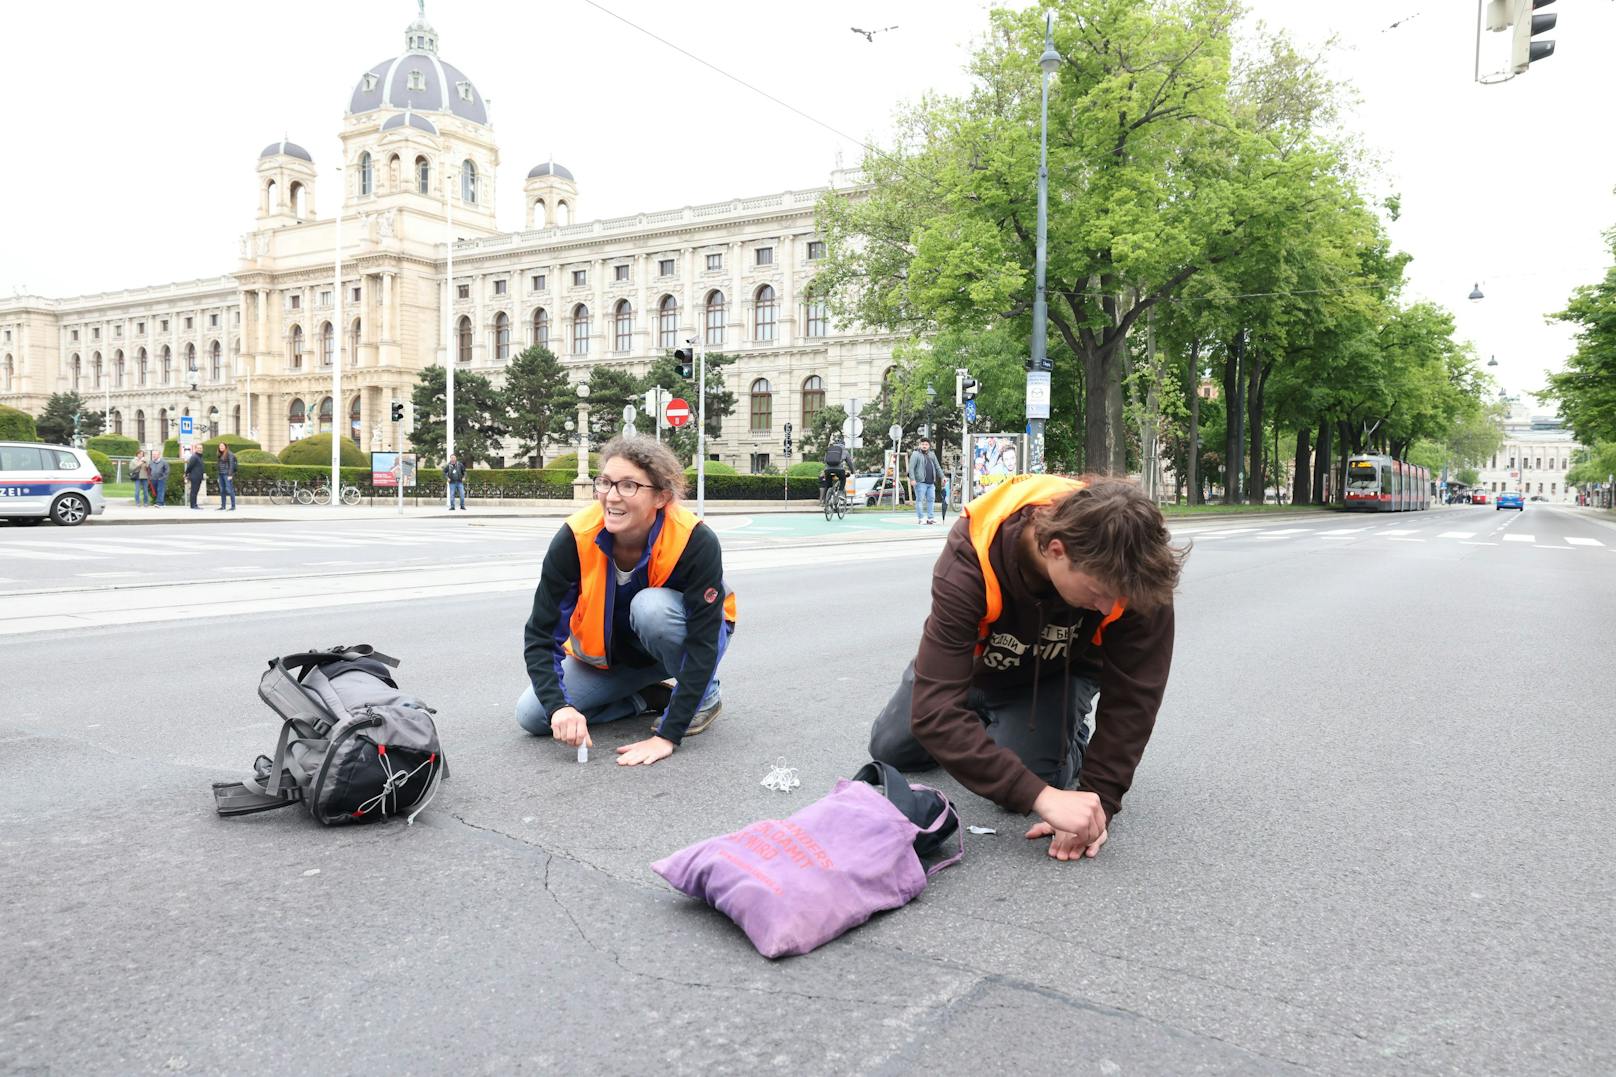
455 473
225 467
159 479
924 475
194 473
140 472
1047 591
631 593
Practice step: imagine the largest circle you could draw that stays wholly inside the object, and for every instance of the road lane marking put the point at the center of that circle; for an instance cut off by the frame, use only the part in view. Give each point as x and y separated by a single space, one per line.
1478 544
1343 531
1544 546
1457 534
106 547
41 555
1402 531
1583 541
108 575
1520 538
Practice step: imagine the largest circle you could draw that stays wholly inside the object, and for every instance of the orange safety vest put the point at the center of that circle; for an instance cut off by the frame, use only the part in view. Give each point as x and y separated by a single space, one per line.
590 615
988 512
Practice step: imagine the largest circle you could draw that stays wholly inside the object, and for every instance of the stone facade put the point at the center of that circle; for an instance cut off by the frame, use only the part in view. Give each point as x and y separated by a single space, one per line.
1536 453
420 154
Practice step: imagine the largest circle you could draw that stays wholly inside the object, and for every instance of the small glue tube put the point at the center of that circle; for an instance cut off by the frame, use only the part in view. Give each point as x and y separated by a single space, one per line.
583 753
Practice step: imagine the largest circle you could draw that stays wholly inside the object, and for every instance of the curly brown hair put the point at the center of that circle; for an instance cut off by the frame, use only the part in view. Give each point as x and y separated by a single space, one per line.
1113 532
651 457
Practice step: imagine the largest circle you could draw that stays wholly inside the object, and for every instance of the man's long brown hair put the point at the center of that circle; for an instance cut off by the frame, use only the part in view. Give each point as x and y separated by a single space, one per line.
1113 532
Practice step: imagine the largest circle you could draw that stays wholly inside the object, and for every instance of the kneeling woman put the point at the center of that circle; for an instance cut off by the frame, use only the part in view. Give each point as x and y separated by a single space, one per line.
632 592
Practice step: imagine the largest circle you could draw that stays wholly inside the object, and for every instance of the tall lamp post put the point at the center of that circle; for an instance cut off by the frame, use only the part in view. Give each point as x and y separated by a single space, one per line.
338 418
582 490
1038 373
448 314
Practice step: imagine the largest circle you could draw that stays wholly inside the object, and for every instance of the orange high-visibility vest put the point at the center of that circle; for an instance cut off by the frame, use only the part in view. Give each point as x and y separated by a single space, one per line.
988 512
591 618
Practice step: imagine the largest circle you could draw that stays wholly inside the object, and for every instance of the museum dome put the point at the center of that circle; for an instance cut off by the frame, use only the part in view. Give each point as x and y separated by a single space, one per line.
550 168
290 149
418 81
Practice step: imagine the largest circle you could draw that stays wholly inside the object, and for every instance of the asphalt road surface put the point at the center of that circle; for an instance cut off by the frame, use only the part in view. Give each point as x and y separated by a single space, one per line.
1372 833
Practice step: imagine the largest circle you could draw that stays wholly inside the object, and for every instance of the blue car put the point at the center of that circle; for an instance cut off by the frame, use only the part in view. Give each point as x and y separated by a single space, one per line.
1509 500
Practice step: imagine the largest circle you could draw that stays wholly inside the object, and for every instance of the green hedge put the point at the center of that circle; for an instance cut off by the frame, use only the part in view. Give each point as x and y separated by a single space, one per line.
317 450
113 445
103 464
16 425
210 447
255 456
806 469
714 467
569 463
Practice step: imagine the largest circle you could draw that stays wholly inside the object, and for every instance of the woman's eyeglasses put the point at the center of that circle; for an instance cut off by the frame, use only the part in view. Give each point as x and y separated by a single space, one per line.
625 487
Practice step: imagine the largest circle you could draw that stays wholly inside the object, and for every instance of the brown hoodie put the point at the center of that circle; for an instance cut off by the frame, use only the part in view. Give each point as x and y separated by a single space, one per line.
1131 667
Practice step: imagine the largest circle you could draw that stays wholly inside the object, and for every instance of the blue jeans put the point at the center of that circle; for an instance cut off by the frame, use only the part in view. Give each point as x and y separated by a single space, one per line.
457 490
657 616
141 491
227 489
162 490
925 493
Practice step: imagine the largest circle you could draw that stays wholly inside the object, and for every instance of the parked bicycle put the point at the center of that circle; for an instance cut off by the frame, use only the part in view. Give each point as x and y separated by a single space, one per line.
320 494
282 491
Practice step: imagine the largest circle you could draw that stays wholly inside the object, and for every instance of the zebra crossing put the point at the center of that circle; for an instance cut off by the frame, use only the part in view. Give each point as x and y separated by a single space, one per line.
1398 533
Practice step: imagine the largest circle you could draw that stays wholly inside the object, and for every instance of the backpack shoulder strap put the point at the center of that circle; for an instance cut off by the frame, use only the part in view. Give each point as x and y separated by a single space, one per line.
340 653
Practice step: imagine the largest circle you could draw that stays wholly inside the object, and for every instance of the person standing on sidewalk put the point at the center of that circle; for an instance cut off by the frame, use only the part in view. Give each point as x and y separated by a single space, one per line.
455 473
226 467
924 474
631 593
140 472
194 472
159 479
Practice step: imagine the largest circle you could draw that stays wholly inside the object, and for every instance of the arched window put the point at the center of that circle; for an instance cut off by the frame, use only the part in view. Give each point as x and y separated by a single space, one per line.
296 417
140 425
765 311
235 420
355 426
162 424
541 328
295 196
622 326
6 383
463 334
502 337
580 330
213 422
538 213
168 368
325 415
392 173
813 401
367 181
271 193
297 348
889 382
326 343
215 362
762 406
95 369
563 213
190 361
423 176
140 366
818 321
668 322
117 369
353 343
117 421
76 372
468 182
717 311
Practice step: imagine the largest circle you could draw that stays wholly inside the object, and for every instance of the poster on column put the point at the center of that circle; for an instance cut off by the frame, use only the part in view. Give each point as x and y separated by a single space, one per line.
385 469
994 458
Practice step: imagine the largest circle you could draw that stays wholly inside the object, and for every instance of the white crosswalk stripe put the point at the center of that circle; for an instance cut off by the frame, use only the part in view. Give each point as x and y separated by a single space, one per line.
1583 541
1520 538
10 550
103 548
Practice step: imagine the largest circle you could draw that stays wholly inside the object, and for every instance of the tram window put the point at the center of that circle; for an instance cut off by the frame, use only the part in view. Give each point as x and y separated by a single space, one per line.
1385 479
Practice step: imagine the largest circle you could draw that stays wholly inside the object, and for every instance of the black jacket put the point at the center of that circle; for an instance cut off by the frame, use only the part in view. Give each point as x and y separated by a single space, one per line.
194 468
455 472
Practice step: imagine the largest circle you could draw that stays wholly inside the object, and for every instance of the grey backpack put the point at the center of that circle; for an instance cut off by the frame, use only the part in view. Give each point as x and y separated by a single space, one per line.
353 748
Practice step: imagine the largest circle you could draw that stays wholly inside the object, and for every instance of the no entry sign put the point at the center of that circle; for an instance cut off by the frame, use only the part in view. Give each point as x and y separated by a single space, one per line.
677 411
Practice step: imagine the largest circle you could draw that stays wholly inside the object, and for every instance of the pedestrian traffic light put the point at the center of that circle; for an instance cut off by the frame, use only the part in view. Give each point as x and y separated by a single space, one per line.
965 388
398 411
685 358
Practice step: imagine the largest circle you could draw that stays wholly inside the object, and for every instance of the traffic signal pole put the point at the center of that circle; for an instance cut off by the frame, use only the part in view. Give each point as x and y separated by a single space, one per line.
701 430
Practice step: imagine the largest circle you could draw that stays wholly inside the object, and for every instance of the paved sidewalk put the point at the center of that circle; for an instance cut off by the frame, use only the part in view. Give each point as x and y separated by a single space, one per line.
259 510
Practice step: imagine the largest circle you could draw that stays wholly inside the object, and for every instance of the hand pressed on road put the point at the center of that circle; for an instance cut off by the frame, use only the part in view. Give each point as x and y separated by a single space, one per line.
1067 846
645 752
569 726
1073 811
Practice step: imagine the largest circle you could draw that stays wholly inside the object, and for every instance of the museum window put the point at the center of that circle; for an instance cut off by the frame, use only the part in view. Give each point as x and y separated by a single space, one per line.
295 418
76 334
715 262
468 182
818 318
580 277
541 328
95 334
297 350
117 422
296 300
325 415
162 424
355 425
140 329
353 343
500 286
538 282
423 176
168 365
764 256
622 326
668 322
235 420
620 273
75 369
463 335
417 78
366 176
462 291
215 363
327 343
762 406
140 425
213 321
816 249
665 267
813 401
716 311
189 322
117 370
765 311
502 337
580 330
95 368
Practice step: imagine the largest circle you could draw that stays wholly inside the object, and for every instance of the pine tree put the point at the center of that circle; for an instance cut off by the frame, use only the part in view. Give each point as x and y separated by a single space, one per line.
55 423
538 400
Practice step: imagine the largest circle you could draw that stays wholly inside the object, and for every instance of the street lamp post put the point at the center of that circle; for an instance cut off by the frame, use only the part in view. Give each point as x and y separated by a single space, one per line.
1038 376
337 410
582 489
448 314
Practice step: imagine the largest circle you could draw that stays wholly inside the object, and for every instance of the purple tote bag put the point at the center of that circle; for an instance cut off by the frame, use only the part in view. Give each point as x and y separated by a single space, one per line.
794 884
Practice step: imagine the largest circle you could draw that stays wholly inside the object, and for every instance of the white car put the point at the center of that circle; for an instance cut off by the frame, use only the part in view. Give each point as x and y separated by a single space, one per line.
54 482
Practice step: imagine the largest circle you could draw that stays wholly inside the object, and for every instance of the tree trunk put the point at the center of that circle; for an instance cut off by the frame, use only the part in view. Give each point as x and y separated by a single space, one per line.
1234 411
1192 453
1321 464
1256 489
1094 415
1300 486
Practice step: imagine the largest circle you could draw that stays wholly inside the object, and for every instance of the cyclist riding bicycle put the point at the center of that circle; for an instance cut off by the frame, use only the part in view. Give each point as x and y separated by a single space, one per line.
837 458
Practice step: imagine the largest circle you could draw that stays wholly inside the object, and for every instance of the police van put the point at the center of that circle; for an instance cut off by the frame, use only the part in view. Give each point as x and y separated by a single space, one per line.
40 482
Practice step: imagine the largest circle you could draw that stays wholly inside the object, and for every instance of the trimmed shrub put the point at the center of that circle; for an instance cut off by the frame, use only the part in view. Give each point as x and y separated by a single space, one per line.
113 445
806 469
16 425
210 447
103 464
256 456
714 467
569 464
317 450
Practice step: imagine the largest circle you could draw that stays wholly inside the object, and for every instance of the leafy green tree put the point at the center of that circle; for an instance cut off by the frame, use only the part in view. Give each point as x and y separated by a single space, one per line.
610 389
538 400
1595 464
479 417
55 423
721 402
1586 389
829 422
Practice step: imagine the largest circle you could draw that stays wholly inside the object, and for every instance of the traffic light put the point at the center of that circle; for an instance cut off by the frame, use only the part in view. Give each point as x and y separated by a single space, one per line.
398 411
1519 16
409 416
685 358
965 388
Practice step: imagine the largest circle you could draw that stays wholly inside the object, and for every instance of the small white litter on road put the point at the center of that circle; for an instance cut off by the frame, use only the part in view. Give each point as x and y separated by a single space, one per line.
981 830
311 871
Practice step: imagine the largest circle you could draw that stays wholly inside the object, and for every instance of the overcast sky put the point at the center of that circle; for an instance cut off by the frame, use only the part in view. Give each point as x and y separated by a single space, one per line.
141 123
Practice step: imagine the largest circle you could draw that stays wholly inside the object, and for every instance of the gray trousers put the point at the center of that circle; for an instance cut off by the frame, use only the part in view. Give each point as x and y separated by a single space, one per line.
1052 747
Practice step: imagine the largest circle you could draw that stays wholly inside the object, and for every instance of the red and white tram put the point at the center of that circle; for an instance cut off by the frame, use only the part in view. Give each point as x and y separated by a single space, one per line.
1382 484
